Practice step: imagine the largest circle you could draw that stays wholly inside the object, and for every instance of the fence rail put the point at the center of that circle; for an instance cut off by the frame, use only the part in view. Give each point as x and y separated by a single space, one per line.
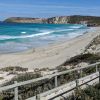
16 85
68 87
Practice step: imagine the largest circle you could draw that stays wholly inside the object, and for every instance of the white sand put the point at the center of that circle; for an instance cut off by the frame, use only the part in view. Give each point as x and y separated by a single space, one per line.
6 77
49 56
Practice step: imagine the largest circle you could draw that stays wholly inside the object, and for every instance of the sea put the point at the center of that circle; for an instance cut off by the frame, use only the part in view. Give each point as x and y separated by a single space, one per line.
18 37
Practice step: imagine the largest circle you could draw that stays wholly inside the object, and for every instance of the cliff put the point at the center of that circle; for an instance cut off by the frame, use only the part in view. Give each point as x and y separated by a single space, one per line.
89 20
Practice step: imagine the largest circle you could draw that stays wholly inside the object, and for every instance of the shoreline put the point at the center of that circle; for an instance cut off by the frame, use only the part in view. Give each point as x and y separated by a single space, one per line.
56 42
49 56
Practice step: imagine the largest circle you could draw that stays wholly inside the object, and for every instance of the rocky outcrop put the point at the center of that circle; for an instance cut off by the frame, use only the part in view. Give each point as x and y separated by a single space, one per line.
58 20
88 20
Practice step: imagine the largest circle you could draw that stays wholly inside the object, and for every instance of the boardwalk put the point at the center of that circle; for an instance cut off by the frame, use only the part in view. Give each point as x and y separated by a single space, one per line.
65 89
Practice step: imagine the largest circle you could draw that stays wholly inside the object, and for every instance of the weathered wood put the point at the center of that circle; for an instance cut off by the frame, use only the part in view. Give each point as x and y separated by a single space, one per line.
99 76
16 92
69 87
56 81
96 68
81 72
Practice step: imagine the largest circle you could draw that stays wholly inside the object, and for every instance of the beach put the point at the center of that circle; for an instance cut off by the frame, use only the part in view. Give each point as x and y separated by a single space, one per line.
49 56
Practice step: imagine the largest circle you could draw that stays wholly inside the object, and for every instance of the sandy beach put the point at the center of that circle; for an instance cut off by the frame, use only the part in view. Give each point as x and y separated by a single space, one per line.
49 56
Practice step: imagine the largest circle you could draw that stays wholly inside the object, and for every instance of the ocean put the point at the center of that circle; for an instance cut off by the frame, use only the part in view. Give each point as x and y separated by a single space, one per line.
16 37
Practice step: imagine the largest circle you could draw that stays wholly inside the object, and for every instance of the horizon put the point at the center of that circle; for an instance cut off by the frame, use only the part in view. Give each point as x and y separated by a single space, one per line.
51 17
48 8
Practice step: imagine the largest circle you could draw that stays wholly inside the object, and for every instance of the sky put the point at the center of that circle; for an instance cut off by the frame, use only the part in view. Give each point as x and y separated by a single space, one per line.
48 8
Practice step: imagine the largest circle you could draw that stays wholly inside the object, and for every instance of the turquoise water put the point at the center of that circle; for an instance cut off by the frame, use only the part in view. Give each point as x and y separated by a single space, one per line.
20 37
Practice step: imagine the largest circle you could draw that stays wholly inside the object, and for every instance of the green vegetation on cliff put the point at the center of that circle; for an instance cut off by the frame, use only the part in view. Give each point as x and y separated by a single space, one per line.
76 19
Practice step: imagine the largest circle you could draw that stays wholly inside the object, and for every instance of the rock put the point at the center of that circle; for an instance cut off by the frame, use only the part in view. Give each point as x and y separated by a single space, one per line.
82 64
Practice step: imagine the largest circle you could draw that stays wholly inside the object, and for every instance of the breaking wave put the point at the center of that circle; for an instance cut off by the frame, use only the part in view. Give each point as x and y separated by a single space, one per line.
7 37
76 27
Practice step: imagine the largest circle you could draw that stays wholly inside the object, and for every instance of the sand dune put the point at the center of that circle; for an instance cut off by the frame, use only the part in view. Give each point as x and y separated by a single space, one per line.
49 56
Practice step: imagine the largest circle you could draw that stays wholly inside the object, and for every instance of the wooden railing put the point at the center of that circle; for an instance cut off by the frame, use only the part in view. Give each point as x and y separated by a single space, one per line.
16 85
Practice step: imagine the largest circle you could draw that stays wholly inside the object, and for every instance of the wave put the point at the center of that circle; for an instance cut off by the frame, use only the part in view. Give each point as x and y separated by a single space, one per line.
6 37
64 30
75 34
23 32
76 27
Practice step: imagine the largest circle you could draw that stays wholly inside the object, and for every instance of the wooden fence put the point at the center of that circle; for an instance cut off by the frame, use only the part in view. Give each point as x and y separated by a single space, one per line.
55 75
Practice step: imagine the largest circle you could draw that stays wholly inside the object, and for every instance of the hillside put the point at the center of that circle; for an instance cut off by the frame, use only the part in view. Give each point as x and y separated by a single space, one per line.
76 19
25 20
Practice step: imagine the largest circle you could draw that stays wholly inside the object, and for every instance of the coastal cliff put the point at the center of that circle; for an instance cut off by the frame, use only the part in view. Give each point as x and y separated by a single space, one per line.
76 19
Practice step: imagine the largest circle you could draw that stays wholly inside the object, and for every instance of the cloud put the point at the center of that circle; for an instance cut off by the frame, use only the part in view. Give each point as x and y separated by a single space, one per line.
47 6
40 10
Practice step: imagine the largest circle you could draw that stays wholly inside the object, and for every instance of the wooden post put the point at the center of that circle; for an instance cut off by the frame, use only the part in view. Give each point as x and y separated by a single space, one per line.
15 92
37 95
77 85
77 82
81 72
99 76
56 83
96 68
